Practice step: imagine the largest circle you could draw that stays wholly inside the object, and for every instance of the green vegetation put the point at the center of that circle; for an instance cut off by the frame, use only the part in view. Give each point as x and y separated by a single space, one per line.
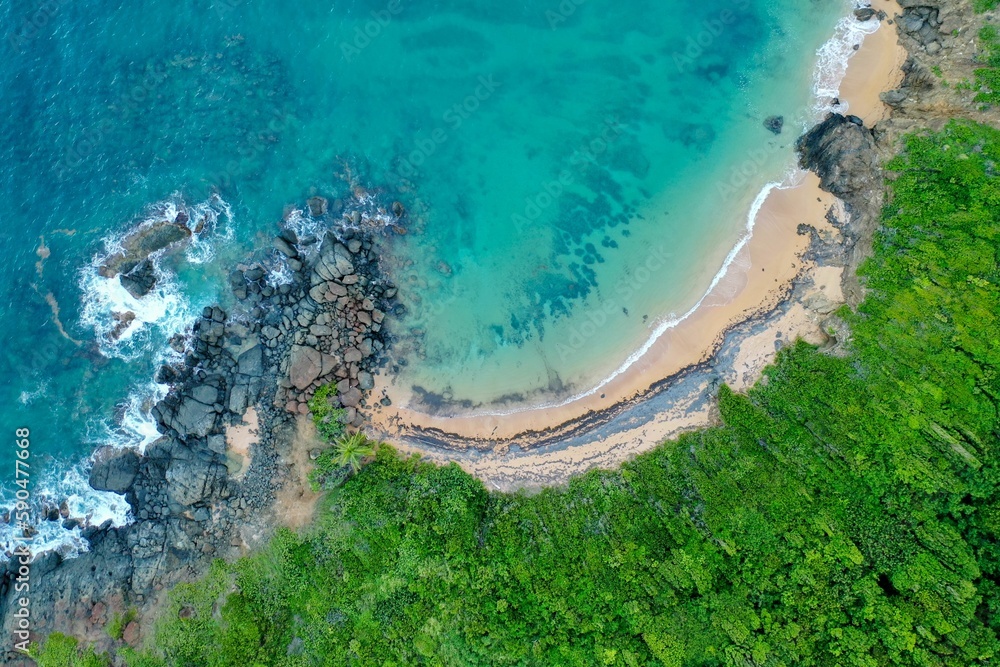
333 465
846 513
329 420
352 449
984 5
116 628
988 76
58 650
347 451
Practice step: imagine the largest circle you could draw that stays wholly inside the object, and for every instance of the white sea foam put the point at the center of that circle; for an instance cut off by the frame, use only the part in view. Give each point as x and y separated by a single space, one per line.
303 225
87 506
313 231
280 273
214 216
166 309
831 68
135 426
28 397
159 315
162 311
832 60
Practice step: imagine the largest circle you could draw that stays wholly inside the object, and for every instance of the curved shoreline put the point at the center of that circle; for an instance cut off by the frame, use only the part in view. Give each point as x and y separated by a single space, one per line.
874 68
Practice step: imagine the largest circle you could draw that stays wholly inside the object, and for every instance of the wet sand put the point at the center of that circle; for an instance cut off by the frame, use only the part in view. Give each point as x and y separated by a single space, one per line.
875 68
770 293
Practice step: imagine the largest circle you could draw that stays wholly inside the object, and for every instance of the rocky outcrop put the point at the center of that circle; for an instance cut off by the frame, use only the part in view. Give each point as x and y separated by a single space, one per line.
271 351
864 13
114 469
143 242
841 150
921 20
140 280
845 155
326 326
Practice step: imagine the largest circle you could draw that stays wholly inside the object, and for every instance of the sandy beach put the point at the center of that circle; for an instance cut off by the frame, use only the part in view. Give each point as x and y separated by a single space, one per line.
771 289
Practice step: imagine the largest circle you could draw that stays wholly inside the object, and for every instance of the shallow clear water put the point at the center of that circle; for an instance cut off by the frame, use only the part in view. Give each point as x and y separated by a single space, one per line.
568 169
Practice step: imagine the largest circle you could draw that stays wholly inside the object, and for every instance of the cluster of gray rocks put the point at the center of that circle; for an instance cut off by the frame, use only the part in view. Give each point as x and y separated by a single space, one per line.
924 23
330 330
277 344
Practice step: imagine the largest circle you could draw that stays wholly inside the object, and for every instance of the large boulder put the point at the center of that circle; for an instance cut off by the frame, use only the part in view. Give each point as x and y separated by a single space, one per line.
351 398
114 469
194 476
194 418
285 248
251 362
141 243
335 260
841 151
305 366
140 280
317 206
192 413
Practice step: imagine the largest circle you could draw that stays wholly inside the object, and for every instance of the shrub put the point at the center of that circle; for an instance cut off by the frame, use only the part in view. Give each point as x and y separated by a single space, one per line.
329 420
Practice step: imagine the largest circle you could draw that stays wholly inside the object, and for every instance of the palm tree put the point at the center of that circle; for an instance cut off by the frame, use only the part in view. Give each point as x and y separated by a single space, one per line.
351 449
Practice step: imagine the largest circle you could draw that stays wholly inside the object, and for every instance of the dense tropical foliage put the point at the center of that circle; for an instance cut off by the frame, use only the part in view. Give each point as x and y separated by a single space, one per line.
845 513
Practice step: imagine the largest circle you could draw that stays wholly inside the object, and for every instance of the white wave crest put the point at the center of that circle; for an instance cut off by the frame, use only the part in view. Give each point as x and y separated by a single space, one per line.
832 59
68 488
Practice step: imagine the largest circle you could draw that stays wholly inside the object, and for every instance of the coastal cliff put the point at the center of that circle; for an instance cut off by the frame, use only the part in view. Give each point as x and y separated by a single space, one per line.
191 496
940 40
327 326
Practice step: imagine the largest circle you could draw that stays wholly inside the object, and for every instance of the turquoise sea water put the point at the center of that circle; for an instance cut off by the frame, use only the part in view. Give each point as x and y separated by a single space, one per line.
574 173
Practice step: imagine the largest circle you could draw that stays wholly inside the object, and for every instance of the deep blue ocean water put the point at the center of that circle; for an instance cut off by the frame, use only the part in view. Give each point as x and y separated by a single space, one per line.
543 150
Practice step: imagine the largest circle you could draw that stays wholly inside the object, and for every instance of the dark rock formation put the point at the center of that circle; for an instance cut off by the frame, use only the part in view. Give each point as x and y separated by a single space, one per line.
143 242
774 123
274 349
916 80
841 150
844 154
864 13
122 322
921 21
140 280
317 206
114 469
